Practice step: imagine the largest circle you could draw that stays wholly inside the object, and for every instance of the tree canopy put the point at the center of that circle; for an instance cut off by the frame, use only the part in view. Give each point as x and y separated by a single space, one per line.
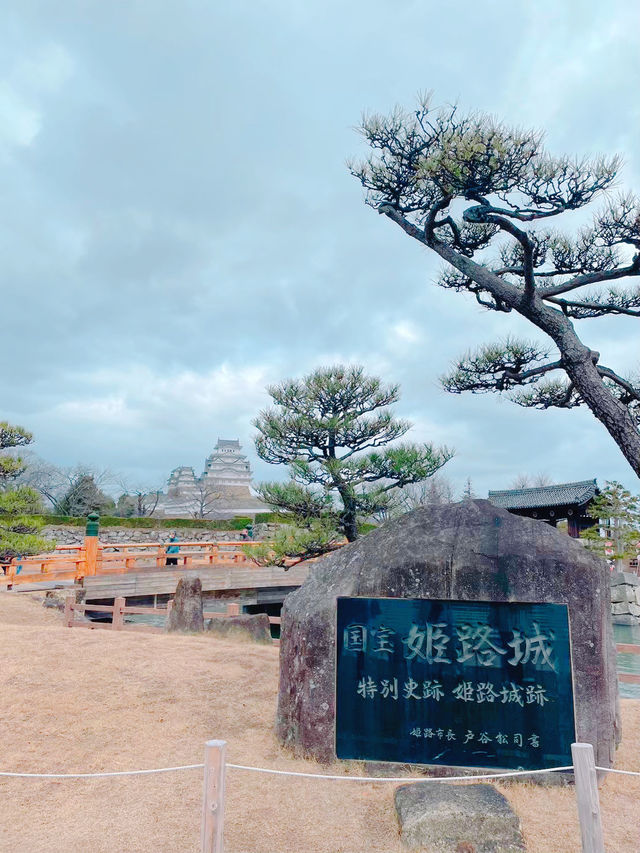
84 496
617 532
18 529
483 196
332 429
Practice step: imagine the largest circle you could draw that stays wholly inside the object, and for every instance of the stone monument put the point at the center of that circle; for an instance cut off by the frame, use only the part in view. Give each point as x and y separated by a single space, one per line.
466 552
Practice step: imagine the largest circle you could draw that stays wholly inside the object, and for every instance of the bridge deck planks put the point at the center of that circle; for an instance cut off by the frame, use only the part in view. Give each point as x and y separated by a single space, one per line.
212 579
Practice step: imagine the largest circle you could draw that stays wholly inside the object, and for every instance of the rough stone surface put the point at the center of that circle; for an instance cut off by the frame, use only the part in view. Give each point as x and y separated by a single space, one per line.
448 818
625 598
625 619
468 551
624 577
55 598
186 613
618 594
249 626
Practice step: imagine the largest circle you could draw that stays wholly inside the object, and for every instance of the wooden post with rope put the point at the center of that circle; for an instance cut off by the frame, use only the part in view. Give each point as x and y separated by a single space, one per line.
584 771
117 620
69 601
213 797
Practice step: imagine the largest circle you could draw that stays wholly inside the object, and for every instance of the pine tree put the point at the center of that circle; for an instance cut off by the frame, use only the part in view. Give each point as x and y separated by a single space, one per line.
617 513
328 428
18 504
464 185
84 496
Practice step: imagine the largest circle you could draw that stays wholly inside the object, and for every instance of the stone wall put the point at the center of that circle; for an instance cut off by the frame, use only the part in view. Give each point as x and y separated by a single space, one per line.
625 598
64 535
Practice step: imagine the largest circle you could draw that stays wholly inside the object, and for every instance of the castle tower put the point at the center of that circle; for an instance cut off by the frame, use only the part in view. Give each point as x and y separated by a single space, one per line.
182 481
223 490
228 469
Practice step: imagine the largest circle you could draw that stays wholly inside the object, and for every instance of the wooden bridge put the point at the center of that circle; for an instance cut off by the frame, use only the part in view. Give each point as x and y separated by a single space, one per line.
139 570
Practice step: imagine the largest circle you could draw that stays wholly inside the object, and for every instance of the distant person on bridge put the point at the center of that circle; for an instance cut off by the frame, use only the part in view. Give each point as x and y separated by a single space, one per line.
172 549
247 532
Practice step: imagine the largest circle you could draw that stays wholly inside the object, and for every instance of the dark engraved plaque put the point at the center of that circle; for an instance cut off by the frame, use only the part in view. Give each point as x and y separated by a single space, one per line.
460 683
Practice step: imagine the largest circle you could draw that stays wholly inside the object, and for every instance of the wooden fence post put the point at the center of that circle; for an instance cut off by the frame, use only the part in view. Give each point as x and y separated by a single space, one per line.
117 622
213 796
91 543
69 601
584 771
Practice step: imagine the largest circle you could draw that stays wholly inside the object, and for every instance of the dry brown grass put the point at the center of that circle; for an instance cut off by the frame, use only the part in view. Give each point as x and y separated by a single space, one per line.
78 700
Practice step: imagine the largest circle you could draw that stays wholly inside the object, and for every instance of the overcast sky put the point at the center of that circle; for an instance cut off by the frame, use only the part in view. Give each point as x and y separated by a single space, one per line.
179 228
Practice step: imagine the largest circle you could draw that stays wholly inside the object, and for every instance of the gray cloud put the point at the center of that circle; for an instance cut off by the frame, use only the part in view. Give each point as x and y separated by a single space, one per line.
179 227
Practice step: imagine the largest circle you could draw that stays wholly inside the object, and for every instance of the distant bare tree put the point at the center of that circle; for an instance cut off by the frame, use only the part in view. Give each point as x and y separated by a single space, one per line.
206 501
467 493
139 500
54 482
84 495
526 481
435 490
50 481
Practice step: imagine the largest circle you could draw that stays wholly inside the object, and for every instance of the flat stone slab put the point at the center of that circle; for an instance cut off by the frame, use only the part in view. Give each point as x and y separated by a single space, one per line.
625 619
624 577
624 592
436 817
248 626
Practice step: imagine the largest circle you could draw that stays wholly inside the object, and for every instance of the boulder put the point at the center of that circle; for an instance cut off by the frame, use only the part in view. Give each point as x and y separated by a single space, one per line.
469 551
186 613
246 626
443 818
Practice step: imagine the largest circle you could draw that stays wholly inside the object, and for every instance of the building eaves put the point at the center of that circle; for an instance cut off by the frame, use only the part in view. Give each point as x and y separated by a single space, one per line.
562 494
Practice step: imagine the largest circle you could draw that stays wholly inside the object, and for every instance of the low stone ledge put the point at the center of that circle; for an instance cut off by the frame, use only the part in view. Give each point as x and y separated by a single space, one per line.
247 626
624 577
625 598
625 619
444 818
624 592
56 598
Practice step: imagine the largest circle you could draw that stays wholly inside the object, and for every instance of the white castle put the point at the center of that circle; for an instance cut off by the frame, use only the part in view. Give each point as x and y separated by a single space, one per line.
223 489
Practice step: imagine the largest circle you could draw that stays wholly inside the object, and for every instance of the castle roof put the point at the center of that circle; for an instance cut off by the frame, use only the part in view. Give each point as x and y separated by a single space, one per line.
232 443
563 494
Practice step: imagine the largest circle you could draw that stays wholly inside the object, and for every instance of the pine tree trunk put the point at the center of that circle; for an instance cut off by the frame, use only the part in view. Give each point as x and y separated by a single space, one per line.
348 518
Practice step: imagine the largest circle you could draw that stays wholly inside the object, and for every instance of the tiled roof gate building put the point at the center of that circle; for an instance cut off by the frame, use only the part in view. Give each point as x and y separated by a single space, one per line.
552 503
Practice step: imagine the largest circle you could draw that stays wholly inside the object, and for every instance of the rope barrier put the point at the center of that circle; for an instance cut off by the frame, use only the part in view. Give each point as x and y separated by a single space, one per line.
97 775
622 772
394 779
402 779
